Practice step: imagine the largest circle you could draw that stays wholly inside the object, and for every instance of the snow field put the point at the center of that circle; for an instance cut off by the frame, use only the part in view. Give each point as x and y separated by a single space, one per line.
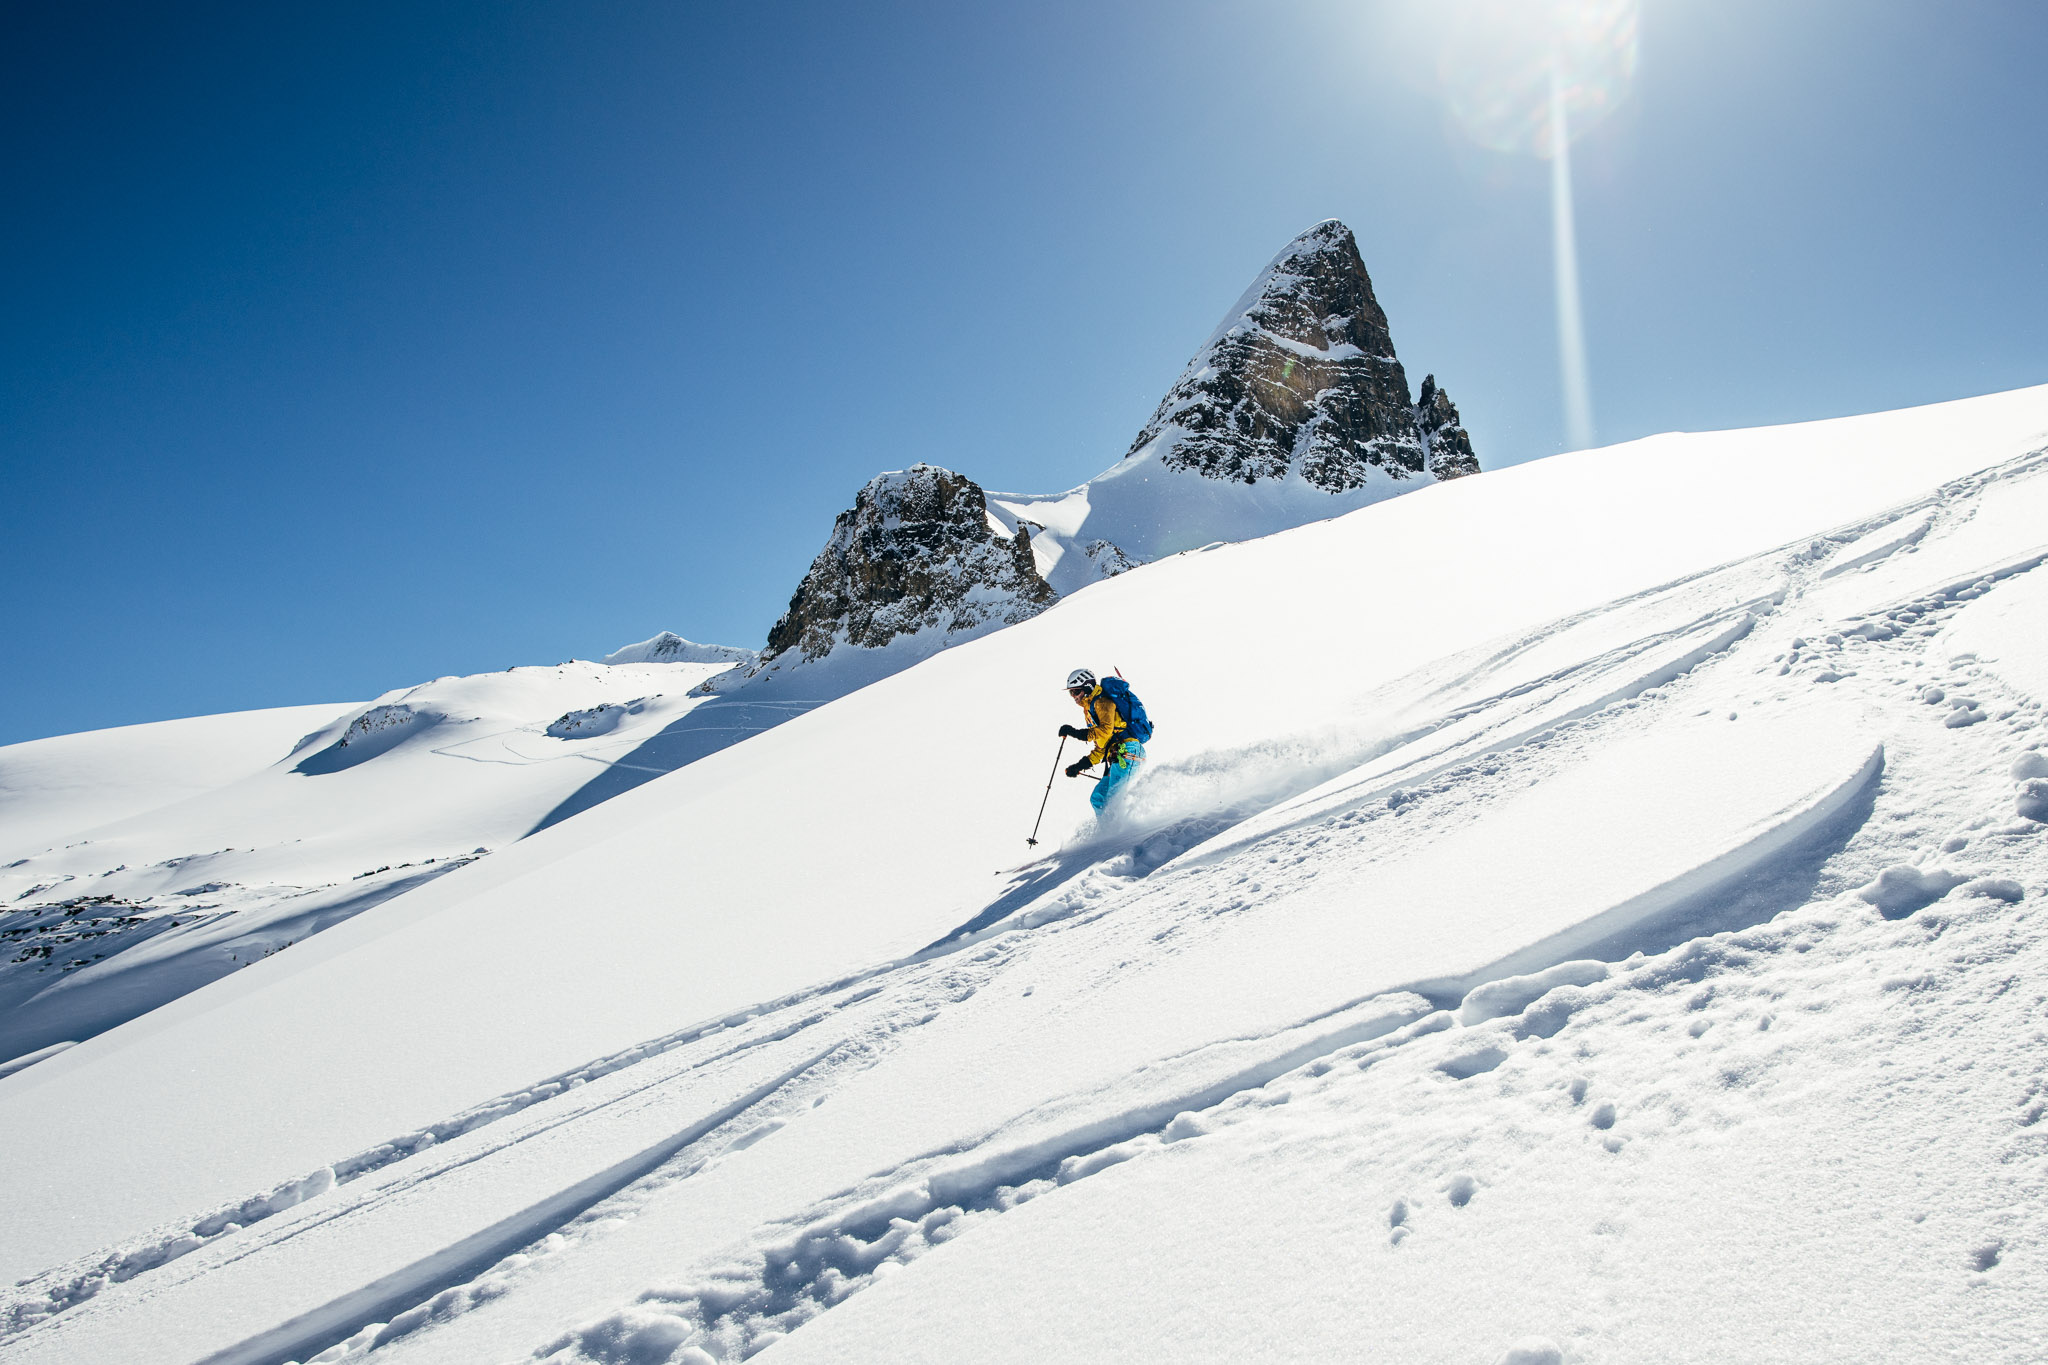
268 834
50 788
1714 1126
664 1315
1775 1097
1072 1027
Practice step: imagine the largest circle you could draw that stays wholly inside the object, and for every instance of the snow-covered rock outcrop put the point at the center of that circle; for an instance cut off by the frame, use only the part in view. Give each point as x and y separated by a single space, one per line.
381 728
601 719
917 564
917 555
671 648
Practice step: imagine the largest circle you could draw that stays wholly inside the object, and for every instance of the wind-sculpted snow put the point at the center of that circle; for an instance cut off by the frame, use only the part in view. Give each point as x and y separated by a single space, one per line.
1535 1172
1523 950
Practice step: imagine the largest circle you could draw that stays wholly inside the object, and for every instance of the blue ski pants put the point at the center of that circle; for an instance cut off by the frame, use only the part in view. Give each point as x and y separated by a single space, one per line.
1128 757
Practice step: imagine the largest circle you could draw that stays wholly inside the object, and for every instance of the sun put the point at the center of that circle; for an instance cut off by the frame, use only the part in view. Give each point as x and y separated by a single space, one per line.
1499 58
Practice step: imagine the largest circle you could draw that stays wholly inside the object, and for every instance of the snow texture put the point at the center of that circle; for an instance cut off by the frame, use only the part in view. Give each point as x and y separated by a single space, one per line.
1608 924
144 862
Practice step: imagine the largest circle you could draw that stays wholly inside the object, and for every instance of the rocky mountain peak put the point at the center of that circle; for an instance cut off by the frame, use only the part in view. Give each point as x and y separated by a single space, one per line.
1295 409
1301 378
917 552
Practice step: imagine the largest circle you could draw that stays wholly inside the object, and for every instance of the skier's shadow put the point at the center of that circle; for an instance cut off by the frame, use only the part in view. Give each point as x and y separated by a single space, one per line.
1132 853
1030 884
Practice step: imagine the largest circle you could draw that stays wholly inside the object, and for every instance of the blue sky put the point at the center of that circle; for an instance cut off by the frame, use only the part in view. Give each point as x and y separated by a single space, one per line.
348 346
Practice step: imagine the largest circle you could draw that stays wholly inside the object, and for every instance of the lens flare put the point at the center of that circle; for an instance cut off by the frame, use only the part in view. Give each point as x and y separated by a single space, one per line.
1525 76
1514 71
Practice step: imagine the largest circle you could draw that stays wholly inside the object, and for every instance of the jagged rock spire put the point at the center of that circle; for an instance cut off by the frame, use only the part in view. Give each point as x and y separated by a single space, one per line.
1444 437
916 552
1301 378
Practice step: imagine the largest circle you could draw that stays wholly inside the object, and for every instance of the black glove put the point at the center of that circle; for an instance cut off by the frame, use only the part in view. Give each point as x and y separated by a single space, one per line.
1077 767
1072 732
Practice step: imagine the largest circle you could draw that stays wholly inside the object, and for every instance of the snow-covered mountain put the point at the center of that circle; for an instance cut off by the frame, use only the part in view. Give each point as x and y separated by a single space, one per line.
1301 378
1638 916
667 647
184 856
1295 409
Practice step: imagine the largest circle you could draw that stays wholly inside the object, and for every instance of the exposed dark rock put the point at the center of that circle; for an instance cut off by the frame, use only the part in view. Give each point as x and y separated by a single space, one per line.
1443 436
917 551
1305 379
1109 561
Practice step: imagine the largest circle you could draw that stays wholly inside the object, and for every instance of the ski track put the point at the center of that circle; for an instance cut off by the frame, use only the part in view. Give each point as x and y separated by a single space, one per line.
1718 963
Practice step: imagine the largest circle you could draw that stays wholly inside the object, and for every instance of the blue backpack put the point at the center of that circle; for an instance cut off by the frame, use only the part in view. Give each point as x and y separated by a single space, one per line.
1136 724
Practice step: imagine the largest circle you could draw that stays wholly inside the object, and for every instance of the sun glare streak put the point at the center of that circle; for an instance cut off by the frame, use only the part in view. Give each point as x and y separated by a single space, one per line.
1525 76
1564 248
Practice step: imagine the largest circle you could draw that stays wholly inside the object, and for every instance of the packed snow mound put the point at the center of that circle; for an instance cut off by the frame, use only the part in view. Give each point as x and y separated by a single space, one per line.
671 648
1535 896
601 719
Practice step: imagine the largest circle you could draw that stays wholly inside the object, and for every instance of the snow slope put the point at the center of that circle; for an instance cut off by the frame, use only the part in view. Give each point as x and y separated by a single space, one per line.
53 787
146 861
1387 991
2008 636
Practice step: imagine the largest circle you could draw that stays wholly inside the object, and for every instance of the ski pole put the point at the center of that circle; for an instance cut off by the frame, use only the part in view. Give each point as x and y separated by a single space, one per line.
1062 753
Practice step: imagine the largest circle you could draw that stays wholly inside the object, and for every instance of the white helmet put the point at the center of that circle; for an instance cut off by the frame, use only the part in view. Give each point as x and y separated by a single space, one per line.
1080 677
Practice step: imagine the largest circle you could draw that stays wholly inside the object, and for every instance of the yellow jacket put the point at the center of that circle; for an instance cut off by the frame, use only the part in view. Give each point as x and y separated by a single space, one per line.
1105 726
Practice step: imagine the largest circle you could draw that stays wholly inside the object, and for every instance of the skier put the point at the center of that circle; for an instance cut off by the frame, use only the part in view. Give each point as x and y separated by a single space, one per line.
1116 731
